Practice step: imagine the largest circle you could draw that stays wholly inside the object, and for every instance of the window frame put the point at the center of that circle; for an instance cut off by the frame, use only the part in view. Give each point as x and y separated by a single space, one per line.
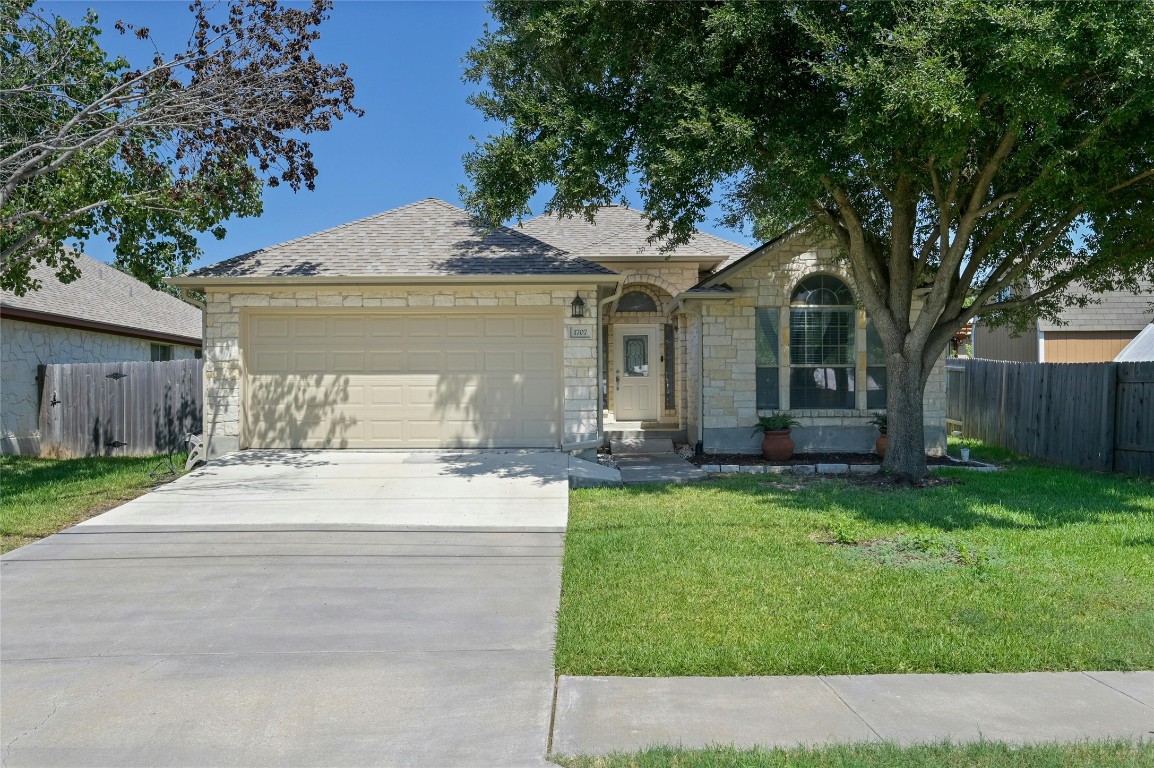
860 365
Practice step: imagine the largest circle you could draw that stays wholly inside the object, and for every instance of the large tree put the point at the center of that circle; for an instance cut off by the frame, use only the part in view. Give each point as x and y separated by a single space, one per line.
150 155
970 156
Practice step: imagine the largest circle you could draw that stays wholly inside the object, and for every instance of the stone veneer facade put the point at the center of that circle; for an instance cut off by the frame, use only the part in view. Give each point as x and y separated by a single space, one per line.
728 348
223 363
25 345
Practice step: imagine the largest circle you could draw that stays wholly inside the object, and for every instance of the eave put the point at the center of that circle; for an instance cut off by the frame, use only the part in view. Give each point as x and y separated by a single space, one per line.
300 281
64 321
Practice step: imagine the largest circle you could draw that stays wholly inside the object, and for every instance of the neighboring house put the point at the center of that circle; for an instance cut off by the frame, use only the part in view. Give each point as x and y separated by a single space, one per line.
104 316
419 328
1141 349
1095 333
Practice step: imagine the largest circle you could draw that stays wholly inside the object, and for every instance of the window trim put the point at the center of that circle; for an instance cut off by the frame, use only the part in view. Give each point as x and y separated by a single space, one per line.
860 366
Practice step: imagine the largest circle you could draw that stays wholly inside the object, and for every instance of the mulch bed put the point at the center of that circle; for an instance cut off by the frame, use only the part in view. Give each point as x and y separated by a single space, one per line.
753 460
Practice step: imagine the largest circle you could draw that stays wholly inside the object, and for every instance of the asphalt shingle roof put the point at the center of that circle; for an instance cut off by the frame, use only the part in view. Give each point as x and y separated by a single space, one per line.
428 238
1118 311
104 294
619 230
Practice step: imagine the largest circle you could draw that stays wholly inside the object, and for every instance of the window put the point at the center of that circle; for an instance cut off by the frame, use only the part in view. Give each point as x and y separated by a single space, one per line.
636 301
821 345
670 369
824 372
875 368
766 337
161 352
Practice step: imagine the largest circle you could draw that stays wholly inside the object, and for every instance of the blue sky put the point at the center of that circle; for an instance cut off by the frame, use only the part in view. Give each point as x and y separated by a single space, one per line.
405 59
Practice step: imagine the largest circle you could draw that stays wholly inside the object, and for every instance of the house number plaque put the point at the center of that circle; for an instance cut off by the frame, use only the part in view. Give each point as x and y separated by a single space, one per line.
577 332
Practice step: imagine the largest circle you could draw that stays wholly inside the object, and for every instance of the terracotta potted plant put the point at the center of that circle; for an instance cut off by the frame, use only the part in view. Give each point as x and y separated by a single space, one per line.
881 420
776 444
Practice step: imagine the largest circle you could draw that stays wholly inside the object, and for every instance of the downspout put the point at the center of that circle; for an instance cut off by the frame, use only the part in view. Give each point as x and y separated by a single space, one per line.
187 299
601 305
701 367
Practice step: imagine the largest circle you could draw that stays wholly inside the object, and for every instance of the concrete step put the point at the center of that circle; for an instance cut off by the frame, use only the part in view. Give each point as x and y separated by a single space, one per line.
676 435
636 445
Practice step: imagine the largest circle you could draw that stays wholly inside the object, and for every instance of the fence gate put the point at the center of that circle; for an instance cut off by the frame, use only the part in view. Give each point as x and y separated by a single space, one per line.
1134 422
119 409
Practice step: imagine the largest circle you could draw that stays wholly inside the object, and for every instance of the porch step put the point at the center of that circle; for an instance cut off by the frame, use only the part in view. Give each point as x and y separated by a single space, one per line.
639 445
676 435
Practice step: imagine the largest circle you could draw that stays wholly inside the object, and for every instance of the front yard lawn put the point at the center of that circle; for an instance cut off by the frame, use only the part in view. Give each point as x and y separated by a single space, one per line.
39 497
984 755
1033 568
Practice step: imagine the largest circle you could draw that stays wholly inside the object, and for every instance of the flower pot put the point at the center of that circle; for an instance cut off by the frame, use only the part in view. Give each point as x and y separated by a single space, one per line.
880 443
777 445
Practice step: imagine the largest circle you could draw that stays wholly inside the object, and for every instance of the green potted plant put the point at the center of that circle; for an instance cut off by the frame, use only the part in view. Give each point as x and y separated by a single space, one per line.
776 444
881 421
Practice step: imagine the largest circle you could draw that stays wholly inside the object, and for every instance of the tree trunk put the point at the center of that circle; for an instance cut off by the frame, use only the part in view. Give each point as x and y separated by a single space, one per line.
906 448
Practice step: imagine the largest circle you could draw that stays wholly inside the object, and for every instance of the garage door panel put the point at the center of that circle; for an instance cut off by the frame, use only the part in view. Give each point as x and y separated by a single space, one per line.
425 326
500 360
458 327
270 327
501 327
392 361
461 361
548 327
391 327
347 362
539 361
269 361
393 381
309 327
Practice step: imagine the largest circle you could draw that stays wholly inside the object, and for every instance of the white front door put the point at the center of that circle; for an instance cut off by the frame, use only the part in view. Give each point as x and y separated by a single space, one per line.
636 369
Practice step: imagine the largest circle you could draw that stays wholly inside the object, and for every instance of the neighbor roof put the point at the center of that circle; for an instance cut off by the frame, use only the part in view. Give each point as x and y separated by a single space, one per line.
104 298
621 231
1118 311
429 238
1140 348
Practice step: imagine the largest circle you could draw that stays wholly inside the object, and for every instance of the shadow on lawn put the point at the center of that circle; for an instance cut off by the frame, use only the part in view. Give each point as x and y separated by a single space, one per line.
1025 498
21 474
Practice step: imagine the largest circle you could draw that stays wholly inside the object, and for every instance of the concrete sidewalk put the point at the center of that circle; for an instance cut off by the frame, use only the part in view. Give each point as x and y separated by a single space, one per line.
600 715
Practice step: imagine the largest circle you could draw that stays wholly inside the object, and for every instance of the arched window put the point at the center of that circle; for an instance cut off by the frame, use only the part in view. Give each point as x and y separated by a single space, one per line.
636 301
821 344
821 328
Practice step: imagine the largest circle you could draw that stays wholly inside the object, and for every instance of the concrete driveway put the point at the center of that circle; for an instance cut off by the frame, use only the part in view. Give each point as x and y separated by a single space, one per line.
294 608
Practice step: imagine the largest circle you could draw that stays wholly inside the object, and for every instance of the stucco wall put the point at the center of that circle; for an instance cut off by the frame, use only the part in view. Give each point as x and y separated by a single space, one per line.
729 366
25 345
222 353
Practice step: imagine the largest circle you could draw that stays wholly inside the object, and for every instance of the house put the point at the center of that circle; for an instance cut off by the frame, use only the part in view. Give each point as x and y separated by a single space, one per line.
419 328
1095 333
104 316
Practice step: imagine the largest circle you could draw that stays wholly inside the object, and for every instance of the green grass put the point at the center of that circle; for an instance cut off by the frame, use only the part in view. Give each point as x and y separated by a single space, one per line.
39 497
981 755
980 451
1034 568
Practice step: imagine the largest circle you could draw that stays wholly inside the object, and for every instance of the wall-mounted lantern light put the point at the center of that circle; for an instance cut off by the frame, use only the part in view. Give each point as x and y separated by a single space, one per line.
578 306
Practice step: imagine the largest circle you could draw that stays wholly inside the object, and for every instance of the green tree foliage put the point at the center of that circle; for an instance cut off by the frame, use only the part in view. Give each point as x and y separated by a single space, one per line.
151 155
968 156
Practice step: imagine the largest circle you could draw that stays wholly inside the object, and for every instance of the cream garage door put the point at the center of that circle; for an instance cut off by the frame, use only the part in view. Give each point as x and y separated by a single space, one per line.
359 379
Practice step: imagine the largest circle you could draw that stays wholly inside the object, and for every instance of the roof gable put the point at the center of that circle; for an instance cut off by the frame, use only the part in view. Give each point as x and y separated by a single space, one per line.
104 294
428 238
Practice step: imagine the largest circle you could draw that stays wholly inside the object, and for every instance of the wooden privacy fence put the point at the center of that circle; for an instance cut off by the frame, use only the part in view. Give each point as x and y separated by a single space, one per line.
119 409
1092 415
